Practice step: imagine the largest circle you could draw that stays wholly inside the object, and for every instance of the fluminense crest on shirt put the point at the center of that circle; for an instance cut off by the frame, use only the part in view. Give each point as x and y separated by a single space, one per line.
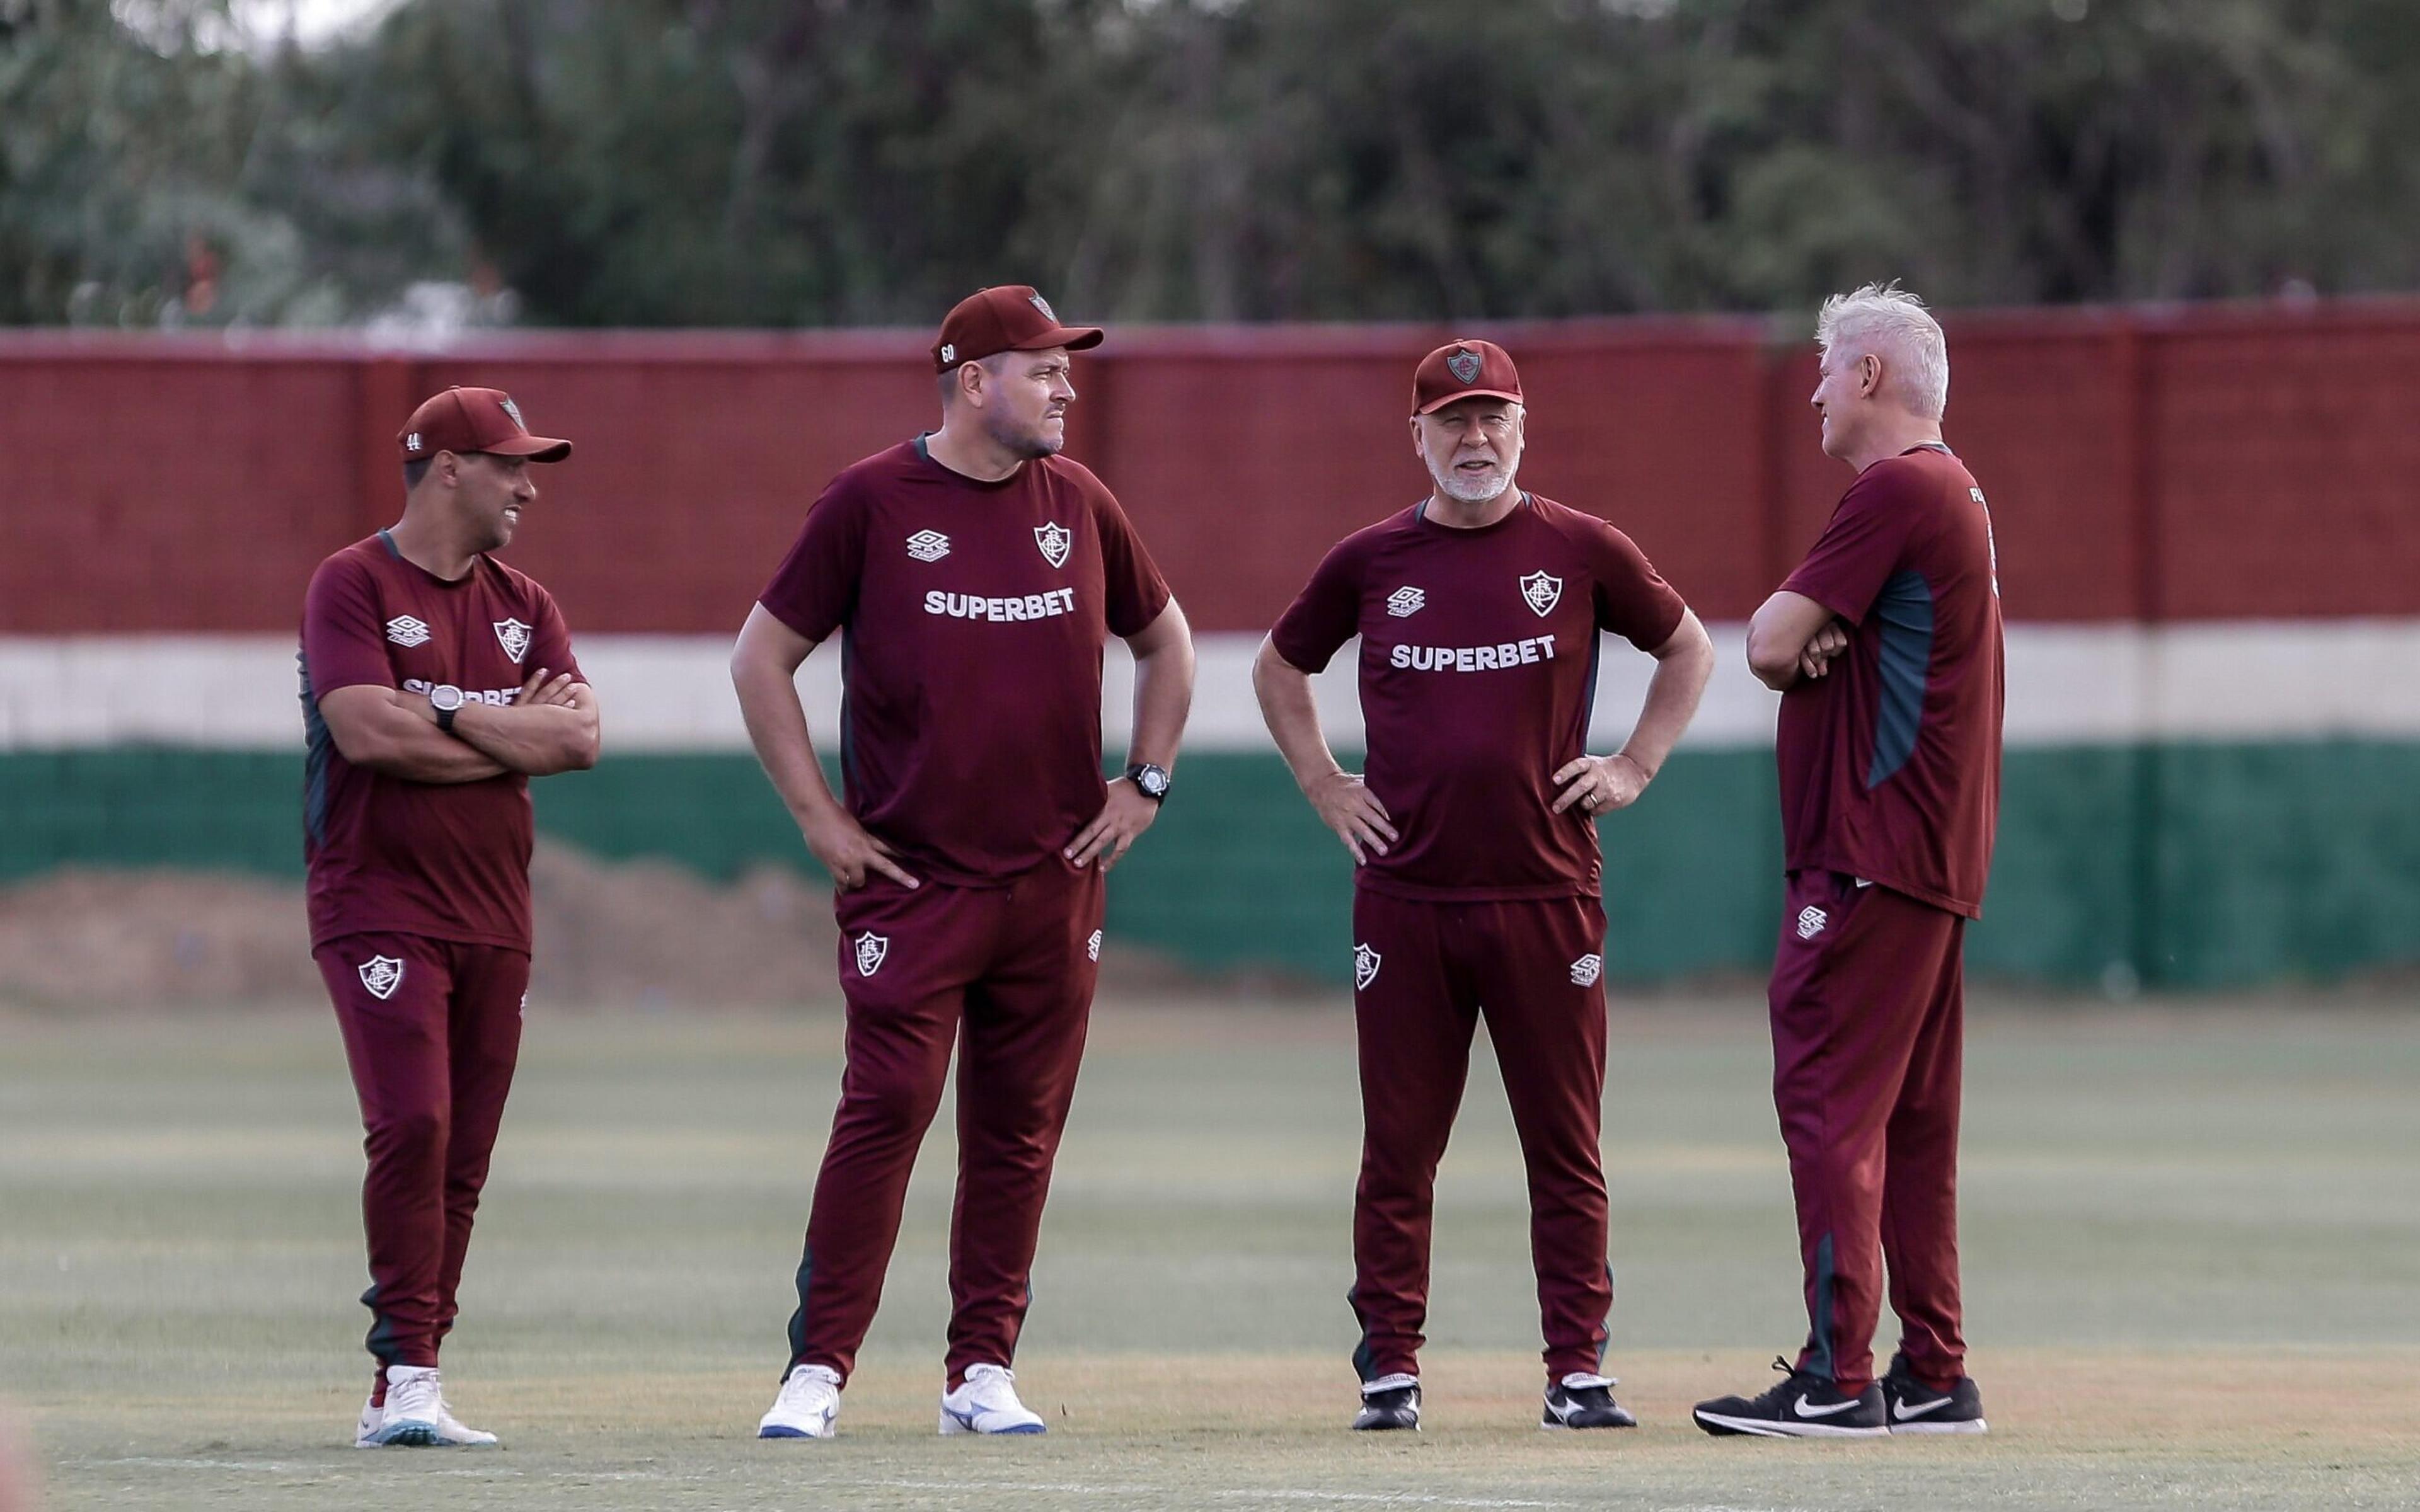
1365 967
1054 539
1812 920
928 546
1541 592
406 631
1464 365
1405 602
1093 946
381 976
514 638
1587 970
870 949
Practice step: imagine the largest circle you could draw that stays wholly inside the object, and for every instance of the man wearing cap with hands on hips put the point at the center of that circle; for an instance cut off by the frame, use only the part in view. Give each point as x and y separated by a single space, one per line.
973 574
436 683
1477 889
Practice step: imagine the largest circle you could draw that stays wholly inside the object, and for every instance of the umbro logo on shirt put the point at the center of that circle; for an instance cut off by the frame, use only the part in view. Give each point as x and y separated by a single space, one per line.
1405 602
1812 920
406 631
1587 970
928 546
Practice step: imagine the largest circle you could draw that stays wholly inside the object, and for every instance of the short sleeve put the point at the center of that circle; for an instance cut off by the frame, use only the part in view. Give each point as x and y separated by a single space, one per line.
1325 614
1135 592
813 591
1633 600
550 643
343 643
1860 549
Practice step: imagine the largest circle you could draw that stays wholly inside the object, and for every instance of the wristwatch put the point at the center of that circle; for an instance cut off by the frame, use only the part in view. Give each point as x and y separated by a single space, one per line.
1149 780
446 700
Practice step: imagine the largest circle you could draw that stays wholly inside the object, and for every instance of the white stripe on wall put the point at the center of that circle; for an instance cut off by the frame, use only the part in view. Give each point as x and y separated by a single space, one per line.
2068 684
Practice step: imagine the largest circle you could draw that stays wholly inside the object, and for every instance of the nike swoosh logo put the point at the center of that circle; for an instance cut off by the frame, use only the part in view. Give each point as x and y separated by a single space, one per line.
1902 1411
1805 1409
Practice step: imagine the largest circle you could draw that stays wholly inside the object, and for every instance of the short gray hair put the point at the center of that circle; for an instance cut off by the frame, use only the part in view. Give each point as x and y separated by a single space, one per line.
1890 323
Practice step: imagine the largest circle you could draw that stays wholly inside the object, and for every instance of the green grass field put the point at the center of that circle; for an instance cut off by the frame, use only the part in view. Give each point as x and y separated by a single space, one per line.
2193 1252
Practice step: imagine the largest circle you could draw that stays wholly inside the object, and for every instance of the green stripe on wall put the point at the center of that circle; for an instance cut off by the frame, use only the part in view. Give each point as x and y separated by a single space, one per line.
2263 861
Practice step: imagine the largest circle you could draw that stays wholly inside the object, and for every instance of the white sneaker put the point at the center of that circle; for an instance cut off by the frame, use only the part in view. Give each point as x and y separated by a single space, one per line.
415 1416
988 1404
809 1400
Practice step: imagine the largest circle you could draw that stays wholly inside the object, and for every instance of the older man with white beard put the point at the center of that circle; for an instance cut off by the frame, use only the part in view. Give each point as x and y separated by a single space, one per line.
1479 888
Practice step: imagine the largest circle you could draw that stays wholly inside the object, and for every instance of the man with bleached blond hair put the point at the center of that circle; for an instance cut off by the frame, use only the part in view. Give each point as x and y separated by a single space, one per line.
1885 644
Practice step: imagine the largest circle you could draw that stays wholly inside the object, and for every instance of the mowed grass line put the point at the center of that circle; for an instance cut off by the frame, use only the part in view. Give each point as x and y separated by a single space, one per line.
2193 1249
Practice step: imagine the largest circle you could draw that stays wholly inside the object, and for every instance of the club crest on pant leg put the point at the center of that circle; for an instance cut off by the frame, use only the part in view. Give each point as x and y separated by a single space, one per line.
1365 967
870 949
381 976
1541 592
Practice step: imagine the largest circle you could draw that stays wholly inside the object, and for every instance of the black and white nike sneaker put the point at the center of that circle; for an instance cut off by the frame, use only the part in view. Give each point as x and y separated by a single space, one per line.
1917 1407
1584 1401
1803 1406
1390 1402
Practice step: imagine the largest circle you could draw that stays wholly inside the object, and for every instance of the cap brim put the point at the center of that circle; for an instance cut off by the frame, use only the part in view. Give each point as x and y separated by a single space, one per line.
1075 338
1434 404
537 448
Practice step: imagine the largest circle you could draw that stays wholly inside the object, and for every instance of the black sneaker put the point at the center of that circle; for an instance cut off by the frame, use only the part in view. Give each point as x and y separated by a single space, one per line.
1917 1407
1390 1402
1803 1406
1584 1401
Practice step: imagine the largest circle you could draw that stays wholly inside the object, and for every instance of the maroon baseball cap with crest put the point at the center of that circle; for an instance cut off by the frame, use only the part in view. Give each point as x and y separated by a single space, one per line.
1464 370
1010 318
475 420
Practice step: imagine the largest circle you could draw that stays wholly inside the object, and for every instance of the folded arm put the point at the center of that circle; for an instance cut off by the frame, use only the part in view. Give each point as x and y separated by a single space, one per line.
1790 636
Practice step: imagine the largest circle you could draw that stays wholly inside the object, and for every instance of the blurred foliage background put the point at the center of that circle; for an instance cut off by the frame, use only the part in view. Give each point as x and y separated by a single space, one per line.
809 163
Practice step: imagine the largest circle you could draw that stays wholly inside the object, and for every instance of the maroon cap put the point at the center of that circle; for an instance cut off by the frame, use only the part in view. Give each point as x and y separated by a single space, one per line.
475 420
1010 318
1460 370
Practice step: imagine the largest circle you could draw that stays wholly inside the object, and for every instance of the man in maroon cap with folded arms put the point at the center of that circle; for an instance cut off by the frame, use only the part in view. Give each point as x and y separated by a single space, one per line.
973 575
436 683
1478 890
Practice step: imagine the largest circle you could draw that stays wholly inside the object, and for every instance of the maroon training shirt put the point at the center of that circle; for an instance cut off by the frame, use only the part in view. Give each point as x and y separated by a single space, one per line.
972 616
447 860
1478 653
1890 761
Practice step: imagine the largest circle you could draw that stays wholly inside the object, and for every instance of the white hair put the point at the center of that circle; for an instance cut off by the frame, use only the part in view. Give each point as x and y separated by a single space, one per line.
1888 323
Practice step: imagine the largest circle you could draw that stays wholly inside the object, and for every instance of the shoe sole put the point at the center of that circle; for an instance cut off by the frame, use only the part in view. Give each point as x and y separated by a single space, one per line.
780 1432
405 1436
1969 1426
1551 1426
1766 1427
953 1425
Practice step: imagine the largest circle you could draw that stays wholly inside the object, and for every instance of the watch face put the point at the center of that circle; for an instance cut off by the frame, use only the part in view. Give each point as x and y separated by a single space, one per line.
445 696
1152 780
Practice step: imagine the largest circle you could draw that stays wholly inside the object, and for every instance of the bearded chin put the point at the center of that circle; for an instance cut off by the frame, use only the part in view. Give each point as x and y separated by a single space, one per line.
1030 444
1471 490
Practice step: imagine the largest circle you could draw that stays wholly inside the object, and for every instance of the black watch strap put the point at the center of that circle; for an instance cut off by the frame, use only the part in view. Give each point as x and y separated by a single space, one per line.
445 719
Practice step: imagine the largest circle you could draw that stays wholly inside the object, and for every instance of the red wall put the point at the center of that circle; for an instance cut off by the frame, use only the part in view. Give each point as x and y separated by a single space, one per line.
2141 464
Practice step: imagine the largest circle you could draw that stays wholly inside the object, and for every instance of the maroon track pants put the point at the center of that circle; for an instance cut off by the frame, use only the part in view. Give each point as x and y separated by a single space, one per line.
1425 973
1007 974
433 1029
1867 1002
